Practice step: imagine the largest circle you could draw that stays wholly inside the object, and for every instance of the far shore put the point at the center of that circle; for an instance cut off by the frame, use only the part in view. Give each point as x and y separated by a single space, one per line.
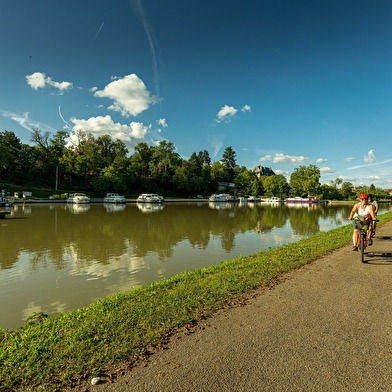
167 200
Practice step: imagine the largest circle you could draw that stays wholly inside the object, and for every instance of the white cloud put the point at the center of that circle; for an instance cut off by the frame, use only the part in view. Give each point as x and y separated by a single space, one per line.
226 113
348 159
265 158
246 108
104 125
280 158
40 80
321 160
22 119
373 178
25 121
162 122
216 141
369 158
139 130
326 169
129 94
348 178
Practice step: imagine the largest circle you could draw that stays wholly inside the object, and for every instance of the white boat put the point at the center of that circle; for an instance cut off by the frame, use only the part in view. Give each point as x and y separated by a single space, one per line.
78 198
297 199
218 198
253 199
6 201
114 198
150 198
272 200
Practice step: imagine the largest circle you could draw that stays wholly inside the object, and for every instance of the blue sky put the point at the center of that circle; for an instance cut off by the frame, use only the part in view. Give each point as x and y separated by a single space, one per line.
284 83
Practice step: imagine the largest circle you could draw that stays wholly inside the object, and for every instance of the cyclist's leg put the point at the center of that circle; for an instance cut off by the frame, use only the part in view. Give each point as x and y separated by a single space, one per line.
369 233
355 239
374 225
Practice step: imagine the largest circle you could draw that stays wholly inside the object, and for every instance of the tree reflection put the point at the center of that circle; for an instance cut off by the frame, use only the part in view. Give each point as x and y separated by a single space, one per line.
52 234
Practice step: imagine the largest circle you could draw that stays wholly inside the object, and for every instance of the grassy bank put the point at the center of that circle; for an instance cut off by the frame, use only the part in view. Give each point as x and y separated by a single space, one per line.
53 352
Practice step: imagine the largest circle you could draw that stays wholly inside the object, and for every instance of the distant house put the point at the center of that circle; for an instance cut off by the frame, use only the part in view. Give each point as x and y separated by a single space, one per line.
263 171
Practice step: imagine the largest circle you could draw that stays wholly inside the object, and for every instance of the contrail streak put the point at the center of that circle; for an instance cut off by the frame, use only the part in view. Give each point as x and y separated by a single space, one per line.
137 4
96 35
66 124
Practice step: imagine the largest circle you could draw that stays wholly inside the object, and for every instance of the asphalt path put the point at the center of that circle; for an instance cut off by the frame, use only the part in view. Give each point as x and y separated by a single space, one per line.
324 327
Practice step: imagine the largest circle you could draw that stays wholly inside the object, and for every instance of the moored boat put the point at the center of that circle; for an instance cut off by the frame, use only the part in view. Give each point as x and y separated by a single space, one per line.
225 198
150 198
114 198
298 199
272 200
218 198
78 198
6 201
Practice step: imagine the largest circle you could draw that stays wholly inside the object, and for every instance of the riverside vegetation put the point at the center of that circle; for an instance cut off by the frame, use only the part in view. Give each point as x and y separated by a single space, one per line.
54 352
102 164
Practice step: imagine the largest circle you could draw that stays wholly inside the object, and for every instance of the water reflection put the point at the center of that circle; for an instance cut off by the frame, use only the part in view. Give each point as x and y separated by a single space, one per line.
78 208
114 207
52 260
150 207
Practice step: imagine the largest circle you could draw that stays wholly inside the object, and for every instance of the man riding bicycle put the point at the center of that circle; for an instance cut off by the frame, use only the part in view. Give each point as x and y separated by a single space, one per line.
365 212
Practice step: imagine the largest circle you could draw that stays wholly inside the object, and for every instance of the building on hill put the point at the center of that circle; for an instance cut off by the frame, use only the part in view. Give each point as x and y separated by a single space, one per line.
263 171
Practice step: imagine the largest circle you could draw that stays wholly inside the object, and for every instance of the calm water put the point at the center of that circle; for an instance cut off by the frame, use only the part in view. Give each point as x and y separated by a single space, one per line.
62 257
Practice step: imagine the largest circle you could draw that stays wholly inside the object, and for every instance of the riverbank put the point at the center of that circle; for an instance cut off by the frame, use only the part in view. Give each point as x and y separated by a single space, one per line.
100 201
64 350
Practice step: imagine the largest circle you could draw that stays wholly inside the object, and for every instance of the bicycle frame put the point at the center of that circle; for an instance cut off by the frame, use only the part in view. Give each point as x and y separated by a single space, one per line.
361 240
362 244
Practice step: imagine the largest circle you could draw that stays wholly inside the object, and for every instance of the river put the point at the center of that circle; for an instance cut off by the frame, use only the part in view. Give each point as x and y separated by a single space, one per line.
58 257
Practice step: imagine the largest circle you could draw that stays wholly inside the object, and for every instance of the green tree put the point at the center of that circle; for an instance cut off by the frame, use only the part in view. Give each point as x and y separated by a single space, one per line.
204 157
11 150
247 182
329 192
229 163
218 172
304 181
347 191
163 163
276 186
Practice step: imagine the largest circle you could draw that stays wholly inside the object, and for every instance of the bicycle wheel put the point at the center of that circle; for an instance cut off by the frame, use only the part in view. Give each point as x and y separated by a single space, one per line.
362 246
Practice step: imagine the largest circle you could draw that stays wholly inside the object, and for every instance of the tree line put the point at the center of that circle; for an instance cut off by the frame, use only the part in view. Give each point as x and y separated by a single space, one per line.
102 164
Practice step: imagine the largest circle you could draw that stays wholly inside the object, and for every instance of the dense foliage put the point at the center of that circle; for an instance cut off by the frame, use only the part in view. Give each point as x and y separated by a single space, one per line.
101 164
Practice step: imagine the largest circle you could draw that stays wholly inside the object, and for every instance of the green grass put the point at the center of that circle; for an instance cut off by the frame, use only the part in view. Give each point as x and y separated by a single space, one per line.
50 353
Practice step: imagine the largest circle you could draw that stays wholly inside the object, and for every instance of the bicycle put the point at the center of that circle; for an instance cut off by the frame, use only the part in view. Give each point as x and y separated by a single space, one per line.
362 227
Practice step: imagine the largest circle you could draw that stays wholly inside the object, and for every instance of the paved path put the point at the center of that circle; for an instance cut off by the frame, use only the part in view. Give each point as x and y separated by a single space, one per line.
328 327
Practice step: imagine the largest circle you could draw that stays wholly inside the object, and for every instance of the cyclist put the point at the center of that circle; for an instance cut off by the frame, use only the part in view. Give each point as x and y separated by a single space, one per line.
375 208
362 210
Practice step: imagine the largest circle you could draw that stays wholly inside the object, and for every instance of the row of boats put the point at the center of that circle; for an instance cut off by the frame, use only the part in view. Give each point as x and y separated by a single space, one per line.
225 198
112 197
82 198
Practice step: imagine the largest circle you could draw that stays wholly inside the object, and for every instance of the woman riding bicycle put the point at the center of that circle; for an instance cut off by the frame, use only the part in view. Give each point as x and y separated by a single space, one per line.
364 211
